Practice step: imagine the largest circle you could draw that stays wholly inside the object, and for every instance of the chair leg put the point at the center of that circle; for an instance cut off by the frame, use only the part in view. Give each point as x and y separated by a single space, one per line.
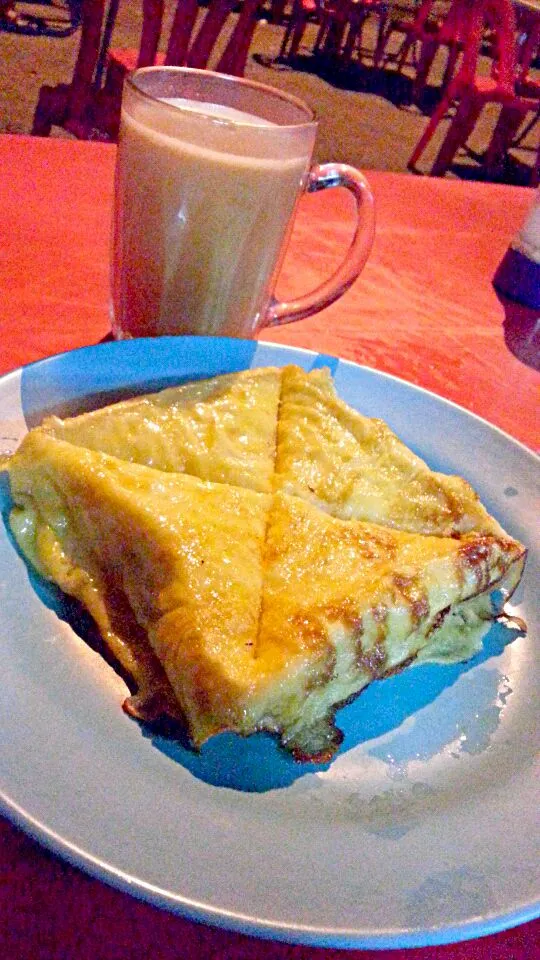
235 57
298 35
453 54
50 110
354 37
434 122
277 11
321 34
427 55
286 36
180 36
207 34
105 118
381 40
505 130
460 129
294 33
334 39
348 46
384 36
115 75
42 123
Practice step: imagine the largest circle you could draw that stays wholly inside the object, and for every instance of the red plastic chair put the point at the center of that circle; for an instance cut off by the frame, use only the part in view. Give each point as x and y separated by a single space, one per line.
342 25
413 30
470 91
429 33
510 131
334 17
302 11
338 19
89 107
359 13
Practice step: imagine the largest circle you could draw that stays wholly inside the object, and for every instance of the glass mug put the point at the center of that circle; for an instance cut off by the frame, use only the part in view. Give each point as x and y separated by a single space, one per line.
209 171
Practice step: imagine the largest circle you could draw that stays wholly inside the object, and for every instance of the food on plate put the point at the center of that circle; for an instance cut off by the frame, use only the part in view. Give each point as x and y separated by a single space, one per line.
346 602
254 604
152 555
222 429
356 468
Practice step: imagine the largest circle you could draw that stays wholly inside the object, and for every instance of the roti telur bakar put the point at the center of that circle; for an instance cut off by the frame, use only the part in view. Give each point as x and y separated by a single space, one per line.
255 552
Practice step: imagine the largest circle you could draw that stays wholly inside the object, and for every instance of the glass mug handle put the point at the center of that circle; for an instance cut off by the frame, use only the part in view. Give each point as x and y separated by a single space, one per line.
320 178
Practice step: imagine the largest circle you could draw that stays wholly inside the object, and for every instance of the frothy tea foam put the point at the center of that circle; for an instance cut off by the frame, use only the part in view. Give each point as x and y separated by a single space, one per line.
219 111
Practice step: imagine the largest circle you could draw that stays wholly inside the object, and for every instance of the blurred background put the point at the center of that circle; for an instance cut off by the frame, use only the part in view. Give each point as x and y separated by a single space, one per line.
365 112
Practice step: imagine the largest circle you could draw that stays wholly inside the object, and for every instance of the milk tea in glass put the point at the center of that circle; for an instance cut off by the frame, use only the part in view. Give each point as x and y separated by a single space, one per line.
209 172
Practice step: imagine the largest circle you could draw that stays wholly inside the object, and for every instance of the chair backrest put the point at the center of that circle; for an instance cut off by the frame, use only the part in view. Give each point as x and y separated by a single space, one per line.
89 106
194 49
497 16
194 35
152 23
187 47
234 57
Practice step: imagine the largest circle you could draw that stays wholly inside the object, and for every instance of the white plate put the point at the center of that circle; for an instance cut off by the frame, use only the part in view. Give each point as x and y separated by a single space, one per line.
423 828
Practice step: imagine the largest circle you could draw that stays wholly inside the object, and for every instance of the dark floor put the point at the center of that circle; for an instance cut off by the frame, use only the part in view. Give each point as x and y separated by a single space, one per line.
365 117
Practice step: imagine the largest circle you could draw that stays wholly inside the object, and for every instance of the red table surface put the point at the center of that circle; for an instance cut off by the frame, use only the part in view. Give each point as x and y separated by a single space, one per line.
423 309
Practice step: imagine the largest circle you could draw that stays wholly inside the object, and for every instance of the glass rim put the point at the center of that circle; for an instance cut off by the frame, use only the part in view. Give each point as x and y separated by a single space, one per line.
311 117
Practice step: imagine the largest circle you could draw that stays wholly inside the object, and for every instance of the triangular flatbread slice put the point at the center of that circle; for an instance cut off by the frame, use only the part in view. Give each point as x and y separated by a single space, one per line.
170 568
270 429
346 602
239 610
222 429
356 468
223 628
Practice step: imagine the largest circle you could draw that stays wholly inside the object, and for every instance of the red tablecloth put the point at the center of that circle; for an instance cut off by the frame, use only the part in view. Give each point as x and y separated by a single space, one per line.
423 309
